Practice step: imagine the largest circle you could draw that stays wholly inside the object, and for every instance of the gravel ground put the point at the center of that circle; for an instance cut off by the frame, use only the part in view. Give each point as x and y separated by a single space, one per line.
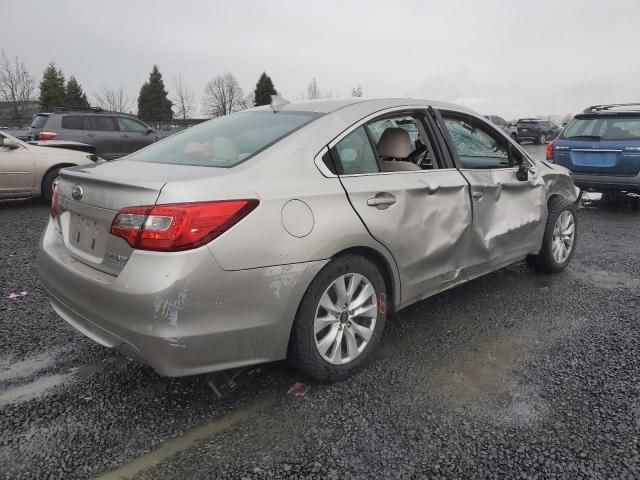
512 375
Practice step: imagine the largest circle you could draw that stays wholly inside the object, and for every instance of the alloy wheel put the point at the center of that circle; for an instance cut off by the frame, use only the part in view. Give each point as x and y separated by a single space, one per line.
563 237
345 318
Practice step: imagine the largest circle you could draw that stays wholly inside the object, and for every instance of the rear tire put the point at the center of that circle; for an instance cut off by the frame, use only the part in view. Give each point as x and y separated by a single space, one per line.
47 185
333 335
560 237
542 139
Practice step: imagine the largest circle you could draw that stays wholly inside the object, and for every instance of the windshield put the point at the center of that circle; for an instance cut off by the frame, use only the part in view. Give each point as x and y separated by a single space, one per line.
604 128
225 141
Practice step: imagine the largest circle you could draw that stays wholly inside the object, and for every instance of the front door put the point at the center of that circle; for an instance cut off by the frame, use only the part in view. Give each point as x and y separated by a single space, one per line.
509 215
17 169
420 212
135 135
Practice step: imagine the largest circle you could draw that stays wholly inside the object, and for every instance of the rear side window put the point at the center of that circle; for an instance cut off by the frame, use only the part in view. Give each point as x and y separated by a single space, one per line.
72 122
225 141
102 124
39 121
131 125
604 128
355 153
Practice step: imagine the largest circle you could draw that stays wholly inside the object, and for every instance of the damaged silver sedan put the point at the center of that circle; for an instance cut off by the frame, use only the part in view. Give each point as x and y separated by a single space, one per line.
295 231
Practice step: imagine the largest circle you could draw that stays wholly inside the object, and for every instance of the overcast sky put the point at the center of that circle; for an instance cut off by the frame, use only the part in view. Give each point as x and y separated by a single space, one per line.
507 57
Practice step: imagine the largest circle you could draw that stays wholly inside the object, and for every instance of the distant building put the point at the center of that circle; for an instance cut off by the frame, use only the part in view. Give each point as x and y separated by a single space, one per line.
6 115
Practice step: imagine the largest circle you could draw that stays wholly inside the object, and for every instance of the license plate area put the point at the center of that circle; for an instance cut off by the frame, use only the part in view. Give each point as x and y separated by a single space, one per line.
87 235
594 159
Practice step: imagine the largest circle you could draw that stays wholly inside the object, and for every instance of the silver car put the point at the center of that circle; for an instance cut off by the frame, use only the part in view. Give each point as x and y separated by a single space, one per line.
295 232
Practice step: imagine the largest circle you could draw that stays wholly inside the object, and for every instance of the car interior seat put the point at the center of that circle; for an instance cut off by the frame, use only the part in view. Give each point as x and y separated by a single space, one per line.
394 147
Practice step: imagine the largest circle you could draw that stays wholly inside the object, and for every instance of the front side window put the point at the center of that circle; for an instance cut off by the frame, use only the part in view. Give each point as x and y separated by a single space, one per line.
475 145
72 122
420 150
355 153
131 125
225 141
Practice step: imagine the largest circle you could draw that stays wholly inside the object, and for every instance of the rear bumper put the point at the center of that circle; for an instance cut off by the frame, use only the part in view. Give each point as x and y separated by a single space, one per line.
606 182
180 313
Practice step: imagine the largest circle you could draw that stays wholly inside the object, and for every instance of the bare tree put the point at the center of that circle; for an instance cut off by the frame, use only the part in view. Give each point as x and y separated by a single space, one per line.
223 96
16 85
114 100
356 92
313 92
183 100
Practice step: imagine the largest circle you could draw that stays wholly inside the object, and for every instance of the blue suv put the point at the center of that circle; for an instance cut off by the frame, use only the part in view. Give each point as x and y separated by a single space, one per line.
601 147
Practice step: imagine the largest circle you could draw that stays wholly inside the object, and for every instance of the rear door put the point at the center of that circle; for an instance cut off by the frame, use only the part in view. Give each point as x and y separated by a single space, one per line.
135 134
509 215
422 217
17 169
102 132
72 128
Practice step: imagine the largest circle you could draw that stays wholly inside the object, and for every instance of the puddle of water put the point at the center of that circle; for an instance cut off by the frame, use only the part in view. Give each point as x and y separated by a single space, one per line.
10 370
32 390
604 279
171 447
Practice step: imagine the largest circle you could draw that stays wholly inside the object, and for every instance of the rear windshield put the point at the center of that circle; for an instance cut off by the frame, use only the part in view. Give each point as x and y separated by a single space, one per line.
225 141
39 121
604 128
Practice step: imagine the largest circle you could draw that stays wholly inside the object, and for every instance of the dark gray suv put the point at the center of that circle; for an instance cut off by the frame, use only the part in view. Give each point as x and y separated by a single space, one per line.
112 134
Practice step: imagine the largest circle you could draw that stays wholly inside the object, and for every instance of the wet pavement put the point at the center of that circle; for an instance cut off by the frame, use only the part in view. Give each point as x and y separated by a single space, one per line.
514 374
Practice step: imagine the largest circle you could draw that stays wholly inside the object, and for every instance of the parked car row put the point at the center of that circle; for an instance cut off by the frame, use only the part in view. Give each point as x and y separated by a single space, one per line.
112 134
527 129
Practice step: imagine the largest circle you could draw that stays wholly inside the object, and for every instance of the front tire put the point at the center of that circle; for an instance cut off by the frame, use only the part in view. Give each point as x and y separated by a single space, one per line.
340 320
560 237
47 184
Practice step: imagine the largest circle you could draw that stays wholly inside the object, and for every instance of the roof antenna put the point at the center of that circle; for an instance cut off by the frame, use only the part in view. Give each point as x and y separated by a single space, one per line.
277 102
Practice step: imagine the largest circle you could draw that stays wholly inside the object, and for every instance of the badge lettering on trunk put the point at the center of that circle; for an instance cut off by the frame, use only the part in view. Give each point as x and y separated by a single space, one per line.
77 192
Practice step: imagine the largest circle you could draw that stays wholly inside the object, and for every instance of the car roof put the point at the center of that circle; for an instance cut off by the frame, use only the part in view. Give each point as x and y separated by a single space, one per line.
332 105
613 108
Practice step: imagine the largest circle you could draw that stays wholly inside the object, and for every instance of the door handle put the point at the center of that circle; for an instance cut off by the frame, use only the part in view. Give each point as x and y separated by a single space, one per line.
382 201
124 136
90 135
477 196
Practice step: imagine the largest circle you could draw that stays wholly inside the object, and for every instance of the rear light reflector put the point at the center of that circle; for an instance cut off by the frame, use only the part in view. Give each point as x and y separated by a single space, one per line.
550 151
47 135
55 207
178 226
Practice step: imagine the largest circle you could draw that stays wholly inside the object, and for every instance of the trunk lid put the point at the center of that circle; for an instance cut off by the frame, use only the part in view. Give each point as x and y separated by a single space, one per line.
90 196
606 157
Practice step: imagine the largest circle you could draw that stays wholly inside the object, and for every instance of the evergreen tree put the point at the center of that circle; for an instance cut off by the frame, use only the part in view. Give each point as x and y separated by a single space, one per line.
75 96
153 102
264 90
52 91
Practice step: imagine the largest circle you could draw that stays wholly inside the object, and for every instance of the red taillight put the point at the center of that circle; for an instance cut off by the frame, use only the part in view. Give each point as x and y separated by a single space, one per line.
178 226
55 208
550 151
47 135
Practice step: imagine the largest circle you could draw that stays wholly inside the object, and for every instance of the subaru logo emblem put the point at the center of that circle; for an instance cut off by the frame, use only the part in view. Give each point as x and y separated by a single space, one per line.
76 192
596 146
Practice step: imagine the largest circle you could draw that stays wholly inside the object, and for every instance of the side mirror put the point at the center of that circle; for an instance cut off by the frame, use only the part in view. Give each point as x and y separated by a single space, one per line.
149 131
523 171
10 143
